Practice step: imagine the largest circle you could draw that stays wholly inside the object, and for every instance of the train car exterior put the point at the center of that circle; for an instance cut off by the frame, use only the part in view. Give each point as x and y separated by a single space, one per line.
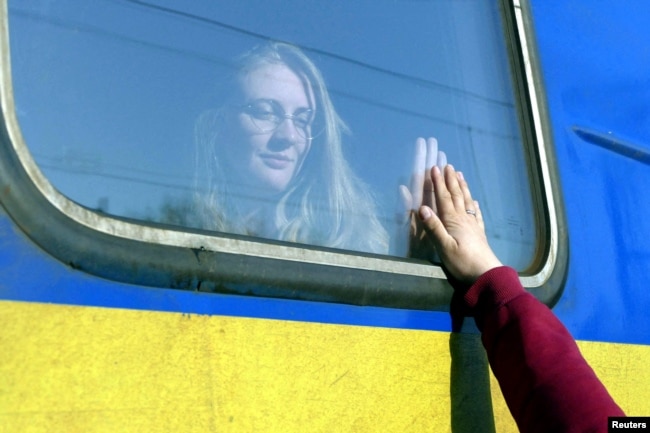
113 322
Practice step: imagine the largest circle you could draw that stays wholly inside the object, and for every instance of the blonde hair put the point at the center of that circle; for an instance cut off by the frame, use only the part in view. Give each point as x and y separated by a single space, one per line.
325 203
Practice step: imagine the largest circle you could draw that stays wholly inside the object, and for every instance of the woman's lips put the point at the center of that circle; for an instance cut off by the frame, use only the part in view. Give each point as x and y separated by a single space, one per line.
276 161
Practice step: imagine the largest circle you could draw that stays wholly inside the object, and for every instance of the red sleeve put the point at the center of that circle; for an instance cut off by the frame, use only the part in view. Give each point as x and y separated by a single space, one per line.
547 384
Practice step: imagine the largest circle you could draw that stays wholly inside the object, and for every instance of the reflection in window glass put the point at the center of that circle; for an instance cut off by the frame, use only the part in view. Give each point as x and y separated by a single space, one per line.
188 113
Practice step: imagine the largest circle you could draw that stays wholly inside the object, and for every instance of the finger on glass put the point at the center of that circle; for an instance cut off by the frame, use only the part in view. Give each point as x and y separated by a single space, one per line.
470 207
442 160
479 215
453 186
418 173
443 200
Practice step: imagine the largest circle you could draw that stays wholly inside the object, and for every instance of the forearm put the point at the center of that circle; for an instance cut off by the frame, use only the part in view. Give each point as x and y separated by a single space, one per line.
546 382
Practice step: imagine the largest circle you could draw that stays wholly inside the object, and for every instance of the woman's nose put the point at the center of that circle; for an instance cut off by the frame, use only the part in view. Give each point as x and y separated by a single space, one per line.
287 130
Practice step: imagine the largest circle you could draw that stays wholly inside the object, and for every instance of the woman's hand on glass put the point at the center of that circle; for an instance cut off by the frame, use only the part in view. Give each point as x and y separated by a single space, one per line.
420 192
457 228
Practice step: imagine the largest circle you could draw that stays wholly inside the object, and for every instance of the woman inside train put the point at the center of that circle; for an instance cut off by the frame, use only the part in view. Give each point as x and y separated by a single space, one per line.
270 161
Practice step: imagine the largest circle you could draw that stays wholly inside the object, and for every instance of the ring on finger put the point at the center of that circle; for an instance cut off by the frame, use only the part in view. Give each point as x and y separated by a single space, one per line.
471 212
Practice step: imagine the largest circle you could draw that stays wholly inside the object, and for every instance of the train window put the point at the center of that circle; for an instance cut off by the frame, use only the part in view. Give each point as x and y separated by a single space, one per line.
280 132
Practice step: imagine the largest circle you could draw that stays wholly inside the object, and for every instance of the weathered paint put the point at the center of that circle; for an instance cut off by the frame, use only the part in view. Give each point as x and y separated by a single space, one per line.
89 369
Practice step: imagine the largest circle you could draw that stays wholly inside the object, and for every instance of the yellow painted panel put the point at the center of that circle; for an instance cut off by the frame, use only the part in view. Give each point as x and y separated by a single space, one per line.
625 370
82 369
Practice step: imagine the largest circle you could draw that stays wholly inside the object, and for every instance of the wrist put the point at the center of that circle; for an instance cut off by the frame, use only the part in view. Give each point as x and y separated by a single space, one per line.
494 288
484 267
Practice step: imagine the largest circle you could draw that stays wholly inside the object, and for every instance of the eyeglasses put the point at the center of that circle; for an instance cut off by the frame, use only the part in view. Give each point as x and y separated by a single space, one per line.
267 115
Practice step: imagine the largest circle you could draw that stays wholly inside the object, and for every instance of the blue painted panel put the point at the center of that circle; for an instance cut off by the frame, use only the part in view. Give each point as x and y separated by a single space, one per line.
595 58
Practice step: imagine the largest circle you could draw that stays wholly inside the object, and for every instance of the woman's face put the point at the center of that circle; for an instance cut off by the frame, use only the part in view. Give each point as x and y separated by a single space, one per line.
271 136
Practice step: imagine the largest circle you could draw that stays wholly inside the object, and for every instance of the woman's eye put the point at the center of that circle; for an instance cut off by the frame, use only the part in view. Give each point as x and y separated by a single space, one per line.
302 120
263 113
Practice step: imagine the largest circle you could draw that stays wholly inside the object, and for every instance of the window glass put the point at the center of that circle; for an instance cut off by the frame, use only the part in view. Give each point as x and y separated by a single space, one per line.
186 113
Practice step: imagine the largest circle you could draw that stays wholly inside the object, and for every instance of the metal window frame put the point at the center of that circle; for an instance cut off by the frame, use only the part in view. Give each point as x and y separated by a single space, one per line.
155 255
